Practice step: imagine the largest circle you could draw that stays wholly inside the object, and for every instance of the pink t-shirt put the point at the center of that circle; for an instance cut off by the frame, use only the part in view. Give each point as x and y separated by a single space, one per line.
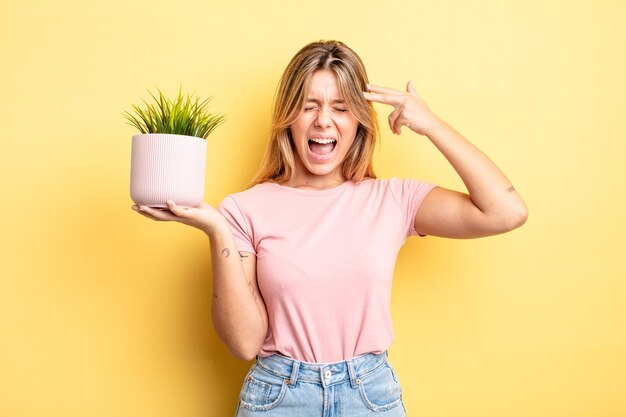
325 261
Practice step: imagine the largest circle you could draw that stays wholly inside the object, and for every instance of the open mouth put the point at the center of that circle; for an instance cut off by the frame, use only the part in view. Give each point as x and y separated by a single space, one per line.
322 147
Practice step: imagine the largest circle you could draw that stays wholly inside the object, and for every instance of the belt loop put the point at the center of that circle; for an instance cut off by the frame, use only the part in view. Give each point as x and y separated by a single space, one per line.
352 374
387 358
294 373
322 379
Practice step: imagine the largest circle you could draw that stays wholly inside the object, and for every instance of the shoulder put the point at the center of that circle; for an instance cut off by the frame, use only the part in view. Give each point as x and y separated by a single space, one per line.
248 201
404 191
256 192
372 183
394 184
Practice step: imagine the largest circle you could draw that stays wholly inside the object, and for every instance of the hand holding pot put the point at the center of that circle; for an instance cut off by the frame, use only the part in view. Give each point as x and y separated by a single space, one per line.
203 216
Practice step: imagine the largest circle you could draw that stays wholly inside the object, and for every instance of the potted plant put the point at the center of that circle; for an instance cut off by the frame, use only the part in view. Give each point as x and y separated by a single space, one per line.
168 158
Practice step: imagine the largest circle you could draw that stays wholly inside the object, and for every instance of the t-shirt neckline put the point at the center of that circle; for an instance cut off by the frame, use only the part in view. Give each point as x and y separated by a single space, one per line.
310 191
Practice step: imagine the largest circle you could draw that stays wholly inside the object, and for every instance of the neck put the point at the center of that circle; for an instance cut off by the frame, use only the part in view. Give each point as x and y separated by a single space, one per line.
315 183
303 178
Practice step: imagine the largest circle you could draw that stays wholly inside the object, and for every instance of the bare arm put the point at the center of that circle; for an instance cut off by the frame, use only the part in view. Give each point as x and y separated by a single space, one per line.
237 309
492 205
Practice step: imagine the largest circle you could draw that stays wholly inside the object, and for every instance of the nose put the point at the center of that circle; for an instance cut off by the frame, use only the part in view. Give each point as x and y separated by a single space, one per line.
323 117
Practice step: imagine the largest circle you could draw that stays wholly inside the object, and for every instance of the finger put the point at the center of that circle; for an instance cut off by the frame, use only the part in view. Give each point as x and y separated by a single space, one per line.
158 214
378 98
410 88
178 211
144 214
384 90
393 118
398 123
382 98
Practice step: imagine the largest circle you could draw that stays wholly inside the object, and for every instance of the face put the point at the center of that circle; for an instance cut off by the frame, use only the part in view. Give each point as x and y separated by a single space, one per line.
323 132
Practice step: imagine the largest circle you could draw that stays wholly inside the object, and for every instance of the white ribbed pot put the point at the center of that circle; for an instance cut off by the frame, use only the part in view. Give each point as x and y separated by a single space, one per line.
167 167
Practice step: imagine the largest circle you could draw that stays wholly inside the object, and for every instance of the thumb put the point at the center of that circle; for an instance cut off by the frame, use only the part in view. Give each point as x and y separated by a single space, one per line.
179 211
410 88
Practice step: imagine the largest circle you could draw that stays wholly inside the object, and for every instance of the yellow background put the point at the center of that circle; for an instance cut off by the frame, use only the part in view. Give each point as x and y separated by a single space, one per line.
105 313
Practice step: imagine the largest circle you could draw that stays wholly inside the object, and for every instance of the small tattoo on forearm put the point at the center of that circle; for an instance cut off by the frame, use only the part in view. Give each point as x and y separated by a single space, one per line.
226 252
511 189
242 256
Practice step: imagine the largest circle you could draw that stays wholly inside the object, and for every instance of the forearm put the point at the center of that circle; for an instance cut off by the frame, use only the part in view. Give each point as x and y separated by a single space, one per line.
489 189
491 206
238 312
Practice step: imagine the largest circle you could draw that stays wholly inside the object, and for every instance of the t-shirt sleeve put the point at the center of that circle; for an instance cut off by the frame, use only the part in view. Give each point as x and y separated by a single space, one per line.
409 194
238 224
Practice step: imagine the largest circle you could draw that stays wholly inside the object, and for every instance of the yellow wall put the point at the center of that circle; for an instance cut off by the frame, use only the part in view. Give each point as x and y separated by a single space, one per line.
105 313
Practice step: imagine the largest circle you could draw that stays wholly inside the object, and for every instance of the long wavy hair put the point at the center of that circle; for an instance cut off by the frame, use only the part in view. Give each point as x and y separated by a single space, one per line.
278 163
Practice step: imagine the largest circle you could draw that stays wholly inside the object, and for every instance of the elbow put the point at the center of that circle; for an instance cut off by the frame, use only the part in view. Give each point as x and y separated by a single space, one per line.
245 353
245 350
515 218
242 341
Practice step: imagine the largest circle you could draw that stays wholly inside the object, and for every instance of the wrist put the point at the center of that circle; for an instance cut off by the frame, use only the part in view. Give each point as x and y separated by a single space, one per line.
219 229
434 127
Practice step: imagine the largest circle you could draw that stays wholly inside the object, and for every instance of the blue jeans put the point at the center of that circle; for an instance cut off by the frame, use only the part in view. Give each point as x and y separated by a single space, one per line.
277 386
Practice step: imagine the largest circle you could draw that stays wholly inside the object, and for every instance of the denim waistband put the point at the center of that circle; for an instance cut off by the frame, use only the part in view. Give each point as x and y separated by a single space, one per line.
325 374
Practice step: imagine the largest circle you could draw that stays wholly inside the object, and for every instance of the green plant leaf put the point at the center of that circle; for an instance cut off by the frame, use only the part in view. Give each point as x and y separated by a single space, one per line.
184 115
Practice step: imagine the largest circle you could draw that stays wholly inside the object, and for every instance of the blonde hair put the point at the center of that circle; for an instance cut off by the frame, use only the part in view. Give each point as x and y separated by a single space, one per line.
278 164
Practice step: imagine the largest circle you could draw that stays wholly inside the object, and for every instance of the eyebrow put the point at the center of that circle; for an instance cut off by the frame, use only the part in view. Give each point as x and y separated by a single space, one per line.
316 101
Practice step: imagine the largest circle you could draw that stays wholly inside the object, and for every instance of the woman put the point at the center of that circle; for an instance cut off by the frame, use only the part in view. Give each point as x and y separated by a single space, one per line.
317 236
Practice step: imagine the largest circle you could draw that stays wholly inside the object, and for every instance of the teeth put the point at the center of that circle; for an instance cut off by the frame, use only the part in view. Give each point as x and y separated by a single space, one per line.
323 140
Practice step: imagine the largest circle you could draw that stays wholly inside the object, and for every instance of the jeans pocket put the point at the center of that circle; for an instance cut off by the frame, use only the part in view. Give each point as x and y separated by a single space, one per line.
380 390
261 390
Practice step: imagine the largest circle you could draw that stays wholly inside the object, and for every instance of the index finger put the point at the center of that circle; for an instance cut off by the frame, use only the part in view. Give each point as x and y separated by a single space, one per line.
382 98
384 90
